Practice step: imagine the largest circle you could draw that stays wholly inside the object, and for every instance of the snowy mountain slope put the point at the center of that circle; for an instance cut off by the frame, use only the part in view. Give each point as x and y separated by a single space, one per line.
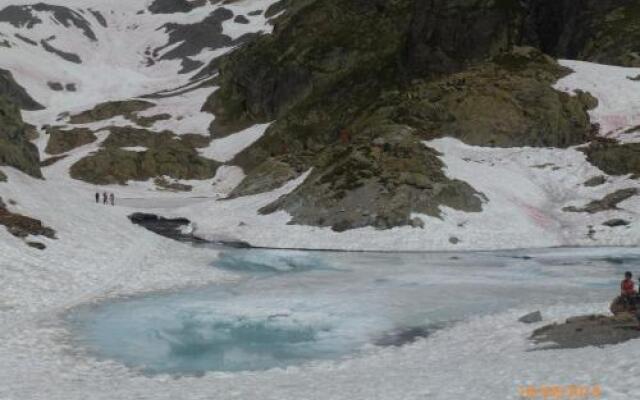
134 49
115 50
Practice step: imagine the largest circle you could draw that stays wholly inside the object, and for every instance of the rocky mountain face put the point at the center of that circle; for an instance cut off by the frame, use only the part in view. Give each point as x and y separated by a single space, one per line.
15 149
354 87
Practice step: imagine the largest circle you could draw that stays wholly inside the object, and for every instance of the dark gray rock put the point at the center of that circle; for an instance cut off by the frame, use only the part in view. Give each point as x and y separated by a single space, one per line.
609 202
99 17
37 245
596 181
615 158
23 17
171 6
447 36
55 86
531 318
193 38
585 331
241 19
71 57
16 93
617 222
26 39
189 65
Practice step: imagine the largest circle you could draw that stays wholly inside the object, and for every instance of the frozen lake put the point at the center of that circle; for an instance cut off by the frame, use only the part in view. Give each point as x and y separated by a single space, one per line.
294 307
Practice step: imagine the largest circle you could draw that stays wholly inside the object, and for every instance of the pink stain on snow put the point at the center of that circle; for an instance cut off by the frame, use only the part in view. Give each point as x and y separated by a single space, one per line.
537 215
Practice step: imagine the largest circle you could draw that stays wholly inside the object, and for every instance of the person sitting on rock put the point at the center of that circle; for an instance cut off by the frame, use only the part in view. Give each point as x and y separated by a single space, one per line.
627 286
628 290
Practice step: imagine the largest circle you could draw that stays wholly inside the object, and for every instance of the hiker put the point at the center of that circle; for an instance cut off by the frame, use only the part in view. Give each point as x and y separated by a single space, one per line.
627 287
627 290
112 199
97 198
105 198
628 299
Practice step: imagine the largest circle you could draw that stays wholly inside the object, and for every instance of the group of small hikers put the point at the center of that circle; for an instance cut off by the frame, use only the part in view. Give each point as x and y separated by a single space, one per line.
629 299
107 198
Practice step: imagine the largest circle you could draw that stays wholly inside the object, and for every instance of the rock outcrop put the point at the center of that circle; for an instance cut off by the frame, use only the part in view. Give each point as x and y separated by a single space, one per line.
15 93
22 226
614 158
589 330
161 154
353 86
607 203
15 149
62 141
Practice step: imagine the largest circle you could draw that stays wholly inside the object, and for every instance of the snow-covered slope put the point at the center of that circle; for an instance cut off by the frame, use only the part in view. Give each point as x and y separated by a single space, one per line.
71 55
122 50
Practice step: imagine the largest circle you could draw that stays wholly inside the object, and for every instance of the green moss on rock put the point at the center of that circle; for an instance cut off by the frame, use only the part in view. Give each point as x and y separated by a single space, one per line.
615 158
166 155
62 141
380 185
15 150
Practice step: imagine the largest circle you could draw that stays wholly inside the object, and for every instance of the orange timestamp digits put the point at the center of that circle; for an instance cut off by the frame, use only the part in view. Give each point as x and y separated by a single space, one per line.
560 392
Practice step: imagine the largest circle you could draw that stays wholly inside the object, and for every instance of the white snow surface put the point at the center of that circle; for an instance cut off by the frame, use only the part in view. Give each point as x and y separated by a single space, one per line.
618 96
225 149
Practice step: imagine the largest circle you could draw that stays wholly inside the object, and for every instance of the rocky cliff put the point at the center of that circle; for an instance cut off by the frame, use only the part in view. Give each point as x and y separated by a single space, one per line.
15 149
355 86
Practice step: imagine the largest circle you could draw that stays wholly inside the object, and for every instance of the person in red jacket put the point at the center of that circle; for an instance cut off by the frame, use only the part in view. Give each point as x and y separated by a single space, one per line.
627 286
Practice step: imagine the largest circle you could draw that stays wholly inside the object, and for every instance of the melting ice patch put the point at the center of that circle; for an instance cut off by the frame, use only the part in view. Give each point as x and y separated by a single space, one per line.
335 305
185 335
270 261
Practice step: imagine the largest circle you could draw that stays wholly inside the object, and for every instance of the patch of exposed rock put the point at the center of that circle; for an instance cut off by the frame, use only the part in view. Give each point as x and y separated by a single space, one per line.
16 93
22 226
615 158
62 141
111 109
595 181
607 203
590 330
616 223
364 185
15 149
165 155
